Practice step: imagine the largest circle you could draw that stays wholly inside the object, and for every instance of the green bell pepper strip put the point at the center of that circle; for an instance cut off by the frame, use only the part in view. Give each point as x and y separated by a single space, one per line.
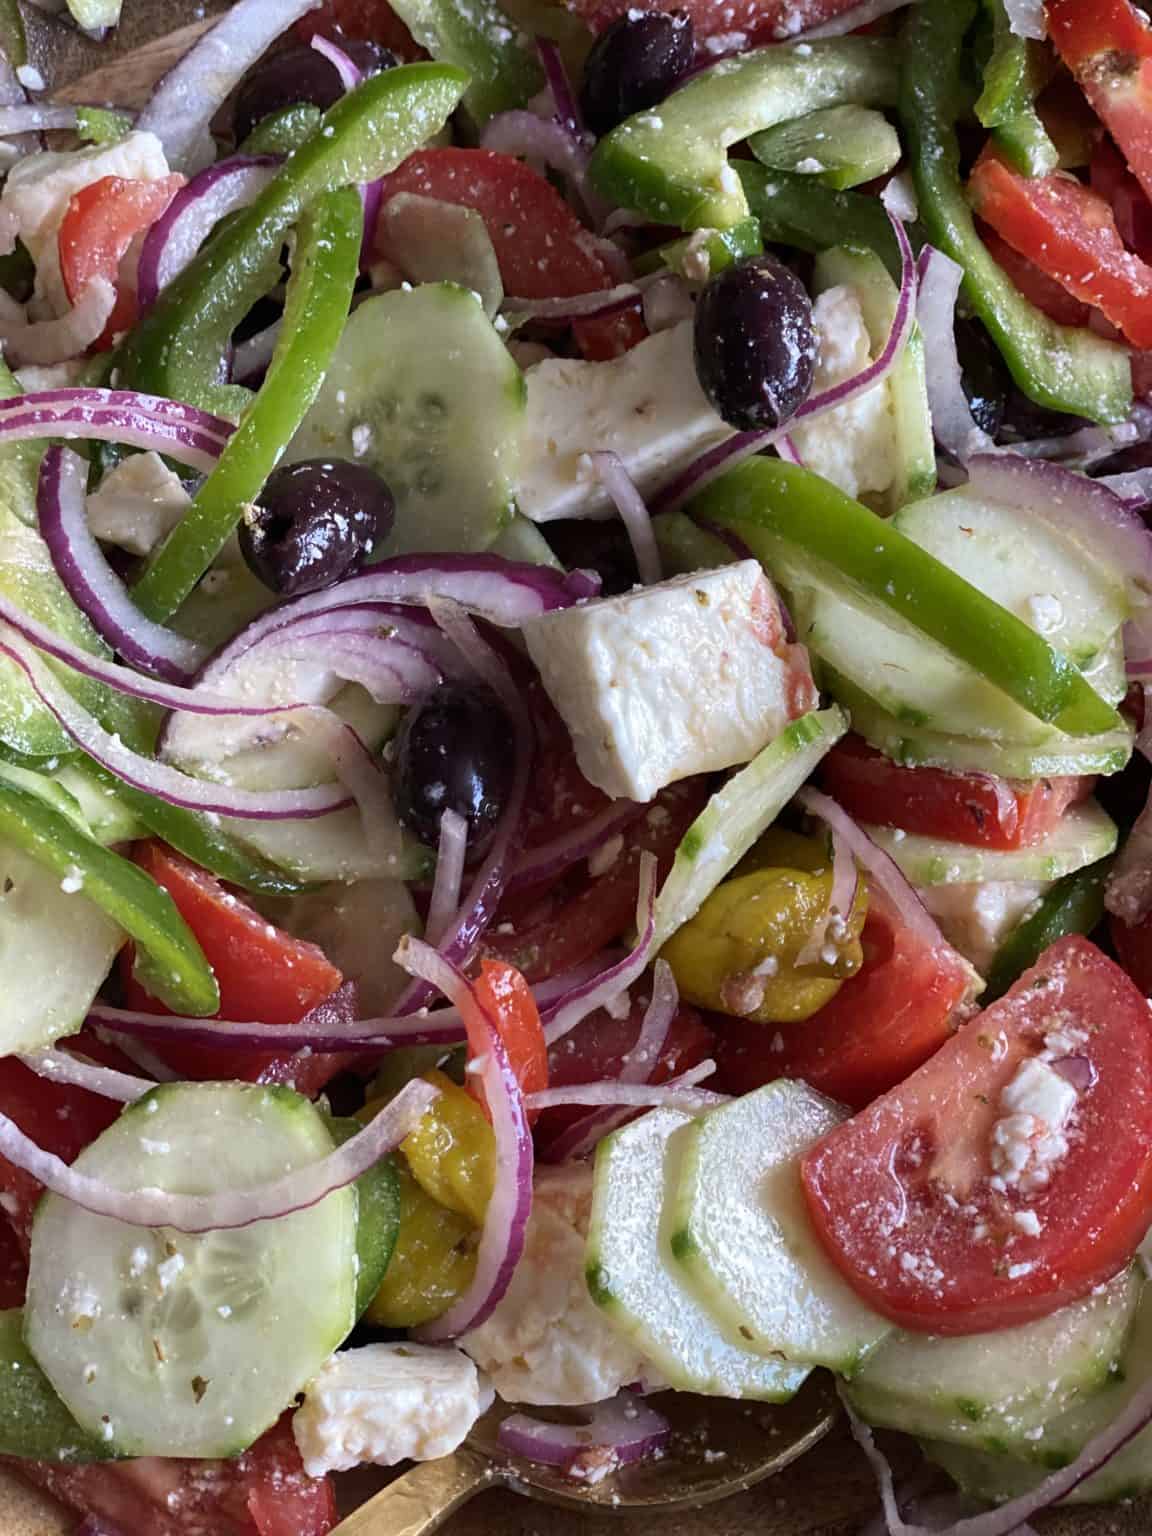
377 1214
283 132
1063 368
1075 904
325 265
34 1423
709 249
671 162
796 523
838 146
483 40
176 349
101 125
1014 76
169 961
796 210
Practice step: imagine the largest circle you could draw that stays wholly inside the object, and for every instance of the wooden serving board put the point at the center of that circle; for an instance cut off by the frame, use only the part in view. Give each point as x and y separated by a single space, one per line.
830 1492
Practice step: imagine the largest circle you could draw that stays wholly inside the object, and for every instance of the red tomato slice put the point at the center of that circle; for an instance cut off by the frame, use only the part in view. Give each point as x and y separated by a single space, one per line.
754 21
264 1492
903 1196
1133 945
1107 44
265 975
1069 232
543 250
886 1021
100 223
13 1267
973 808
505 997
1037 287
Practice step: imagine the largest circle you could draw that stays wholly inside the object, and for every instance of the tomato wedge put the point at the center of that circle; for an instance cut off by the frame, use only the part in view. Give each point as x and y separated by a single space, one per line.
745 21
884 1022
1107 44
505 996
1068 231
264 1492
971 1197
1036 286
100 223
973 808
266 976
543 250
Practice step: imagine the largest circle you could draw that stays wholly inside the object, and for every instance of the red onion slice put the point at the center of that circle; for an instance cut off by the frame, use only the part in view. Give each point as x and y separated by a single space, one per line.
545 141
450 856
633 512
564 99
35 117
677 1093
579 306
614 1434
229 1209
174 240
92 398
563 1016
59 1067
89 581
189 96
638 1065
841 900
953 424
506 1219
349 72
45 342
549 860
316 1032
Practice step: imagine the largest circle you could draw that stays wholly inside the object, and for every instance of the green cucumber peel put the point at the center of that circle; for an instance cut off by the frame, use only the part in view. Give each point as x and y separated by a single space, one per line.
792 519
839 146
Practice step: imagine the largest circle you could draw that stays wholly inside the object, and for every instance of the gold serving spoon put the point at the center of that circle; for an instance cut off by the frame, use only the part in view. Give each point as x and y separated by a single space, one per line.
718 1448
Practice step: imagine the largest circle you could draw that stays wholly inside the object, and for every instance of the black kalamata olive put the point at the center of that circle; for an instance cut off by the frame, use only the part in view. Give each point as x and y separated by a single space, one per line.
633 65
983 375
1124 460
593 545
454 753
1024 419
295 74
315 523
755 345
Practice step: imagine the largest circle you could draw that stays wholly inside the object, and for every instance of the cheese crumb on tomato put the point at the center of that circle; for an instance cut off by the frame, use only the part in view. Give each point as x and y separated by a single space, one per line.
1029 1140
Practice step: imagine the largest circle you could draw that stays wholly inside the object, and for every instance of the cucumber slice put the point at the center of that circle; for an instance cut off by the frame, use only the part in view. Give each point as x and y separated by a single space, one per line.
742 1236
915 448
839 146
739 813
916 747
633 1276
164 1344
48 984
1023 565
33 1420
996 1391
423 389
1085 834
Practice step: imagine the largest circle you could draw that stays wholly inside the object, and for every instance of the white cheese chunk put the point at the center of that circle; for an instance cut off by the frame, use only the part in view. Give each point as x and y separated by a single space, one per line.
40 187
547 1342
977 917
854 445
137 504
385 1403
1029 1140
684 677
646 406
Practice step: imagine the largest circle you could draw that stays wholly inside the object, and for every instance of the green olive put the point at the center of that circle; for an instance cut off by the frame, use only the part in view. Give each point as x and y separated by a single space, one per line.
738 955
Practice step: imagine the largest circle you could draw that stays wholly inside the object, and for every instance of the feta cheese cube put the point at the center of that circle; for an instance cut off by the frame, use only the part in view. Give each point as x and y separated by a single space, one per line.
976 917
685 677
646 406
137 504
1029 1140
385 1403
40 187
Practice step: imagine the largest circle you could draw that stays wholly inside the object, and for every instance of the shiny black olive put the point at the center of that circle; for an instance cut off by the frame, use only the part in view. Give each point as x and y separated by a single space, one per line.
755 346
454 753
315 523
983 375
1135 456
1024 419
633 65
295 74
592 545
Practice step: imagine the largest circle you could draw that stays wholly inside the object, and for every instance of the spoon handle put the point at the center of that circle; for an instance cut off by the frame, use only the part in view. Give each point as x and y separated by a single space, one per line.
419 1502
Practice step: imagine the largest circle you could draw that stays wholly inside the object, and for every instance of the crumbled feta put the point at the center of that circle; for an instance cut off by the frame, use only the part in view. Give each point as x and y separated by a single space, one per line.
1029 1139
854 445
30 77
385 1403
689 676
137 504
547 1341
976 917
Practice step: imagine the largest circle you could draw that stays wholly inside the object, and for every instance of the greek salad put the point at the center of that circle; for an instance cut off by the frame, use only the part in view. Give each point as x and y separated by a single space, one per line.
575 668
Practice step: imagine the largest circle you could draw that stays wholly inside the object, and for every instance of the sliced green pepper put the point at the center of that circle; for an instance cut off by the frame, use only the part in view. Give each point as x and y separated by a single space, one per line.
100 125
377 1214
795 210
168 959
1075 904
1063 368
671 163
480 38
283 132
176 349
34 1423
1013 77
838 146
799 524
707 252
325 264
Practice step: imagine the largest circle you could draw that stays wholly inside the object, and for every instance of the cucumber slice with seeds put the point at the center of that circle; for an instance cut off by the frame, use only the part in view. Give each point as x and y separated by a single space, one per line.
165 1344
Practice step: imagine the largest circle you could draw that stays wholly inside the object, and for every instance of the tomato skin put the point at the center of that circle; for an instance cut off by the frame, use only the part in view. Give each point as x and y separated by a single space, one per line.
1133 945
99 225
265 975
901 1195
264 1492
760 21
504 995
1038 288
1068 231
1108 47
884 1022
972 808
543 250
